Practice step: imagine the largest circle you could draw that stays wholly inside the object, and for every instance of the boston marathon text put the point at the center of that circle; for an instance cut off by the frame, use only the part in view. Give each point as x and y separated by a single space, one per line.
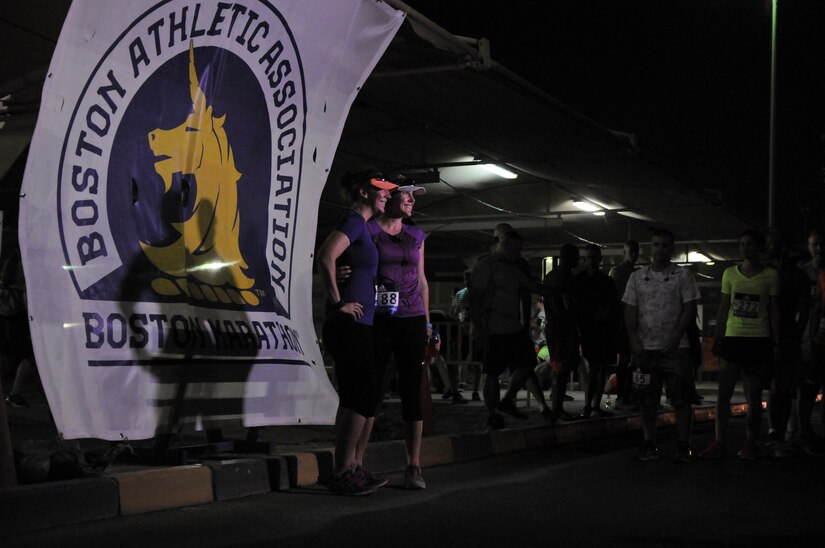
185 334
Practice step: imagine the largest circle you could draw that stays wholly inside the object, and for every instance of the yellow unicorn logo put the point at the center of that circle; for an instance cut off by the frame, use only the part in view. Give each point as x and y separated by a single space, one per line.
207 249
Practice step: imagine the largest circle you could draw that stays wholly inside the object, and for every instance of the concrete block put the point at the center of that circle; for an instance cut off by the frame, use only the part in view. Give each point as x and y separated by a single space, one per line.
236 478
704 414
577 431
634 423
162 488
615 426
436 450
542 436
302 467
386 456
507 441
277 468
666 419
33 507
471 446
326 463
278 472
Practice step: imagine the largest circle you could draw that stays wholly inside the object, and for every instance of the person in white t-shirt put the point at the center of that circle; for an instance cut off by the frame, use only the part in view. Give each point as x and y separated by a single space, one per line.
660 302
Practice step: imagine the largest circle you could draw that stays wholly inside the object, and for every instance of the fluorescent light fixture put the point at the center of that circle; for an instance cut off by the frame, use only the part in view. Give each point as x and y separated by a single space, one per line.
696 257
585 206
634 215
500 171
599 213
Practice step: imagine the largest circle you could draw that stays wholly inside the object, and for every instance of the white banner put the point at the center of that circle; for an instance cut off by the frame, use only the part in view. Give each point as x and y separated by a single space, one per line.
169 204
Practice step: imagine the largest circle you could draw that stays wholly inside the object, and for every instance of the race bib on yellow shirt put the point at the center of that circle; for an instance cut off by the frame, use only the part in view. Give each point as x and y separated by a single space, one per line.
745 305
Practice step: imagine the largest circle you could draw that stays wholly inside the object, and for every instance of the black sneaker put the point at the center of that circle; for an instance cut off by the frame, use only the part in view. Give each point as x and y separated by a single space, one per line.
458 399
683 452
496 422
506 406
647 452
373 481
349 484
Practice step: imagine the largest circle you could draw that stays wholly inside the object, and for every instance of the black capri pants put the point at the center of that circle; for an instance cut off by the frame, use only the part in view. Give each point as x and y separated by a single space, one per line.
406 339
351 345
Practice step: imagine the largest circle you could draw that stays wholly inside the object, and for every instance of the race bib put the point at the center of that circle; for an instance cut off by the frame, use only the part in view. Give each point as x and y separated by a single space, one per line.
386 301
641 379
745 305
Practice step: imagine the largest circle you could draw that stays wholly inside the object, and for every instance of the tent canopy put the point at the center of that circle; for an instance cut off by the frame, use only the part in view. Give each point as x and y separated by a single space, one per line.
437 107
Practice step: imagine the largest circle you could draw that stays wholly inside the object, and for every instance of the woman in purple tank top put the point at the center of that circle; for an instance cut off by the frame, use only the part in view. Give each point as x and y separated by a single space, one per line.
348 332
402 316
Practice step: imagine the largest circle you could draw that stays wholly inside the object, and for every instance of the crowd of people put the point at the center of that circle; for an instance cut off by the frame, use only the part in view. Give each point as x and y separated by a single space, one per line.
640 322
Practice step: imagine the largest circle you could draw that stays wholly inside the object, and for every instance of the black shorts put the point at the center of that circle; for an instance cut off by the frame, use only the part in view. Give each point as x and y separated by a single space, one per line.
753 354
513 349
653 369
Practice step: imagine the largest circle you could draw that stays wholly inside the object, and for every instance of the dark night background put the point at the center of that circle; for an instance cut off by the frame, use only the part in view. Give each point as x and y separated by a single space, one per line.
690 78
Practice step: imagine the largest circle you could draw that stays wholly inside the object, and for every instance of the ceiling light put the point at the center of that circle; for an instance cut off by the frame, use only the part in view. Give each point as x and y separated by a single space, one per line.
697 257
634 215
500 171
599 213
585 206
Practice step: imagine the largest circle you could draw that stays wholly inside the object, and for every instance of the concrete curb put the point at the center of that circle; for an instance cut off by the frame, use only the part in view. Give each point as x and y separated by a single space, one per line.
41 506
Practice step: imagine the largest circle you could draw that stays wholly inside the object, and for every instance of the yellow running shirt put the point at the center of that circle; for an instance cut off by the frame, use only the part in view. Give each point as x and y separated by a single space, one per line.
748 314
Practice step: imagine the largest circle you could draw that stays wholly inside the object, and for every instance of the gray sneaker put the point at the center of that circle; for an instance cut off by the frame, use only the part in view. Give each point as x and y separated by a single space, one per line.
413 478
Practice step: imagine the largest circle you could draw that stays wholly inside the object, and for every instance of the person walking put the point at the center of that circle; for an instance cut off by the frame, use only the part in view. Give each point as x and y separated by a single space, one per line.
496 288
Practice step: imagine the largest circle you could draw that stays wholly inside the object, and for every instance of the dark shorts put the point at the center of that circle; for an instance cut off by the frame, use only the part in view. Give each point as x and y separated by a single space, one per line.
672 370
598 346
787 373
813 370
754 355
598 355
515 350
15 340
351 346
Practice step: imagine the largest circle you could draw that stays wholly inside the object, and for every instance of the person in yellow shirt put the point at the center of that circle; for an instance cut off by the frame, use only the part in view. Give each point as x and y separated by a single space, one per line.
747 329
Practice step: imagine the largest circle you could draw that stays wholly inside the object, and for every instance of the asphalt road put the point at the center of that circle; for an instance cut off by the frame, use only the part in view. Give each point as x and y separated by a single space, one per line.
578 495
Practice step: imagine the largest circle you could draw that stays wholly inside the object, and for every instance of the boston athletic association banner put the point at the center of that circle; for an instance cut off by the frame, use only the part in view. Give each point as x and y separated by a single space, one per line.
169 207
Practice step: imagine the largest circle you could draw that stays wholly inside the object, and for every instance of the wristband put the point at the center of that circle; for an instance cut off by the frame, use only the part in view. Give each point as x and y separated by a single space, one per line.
428 325
339 305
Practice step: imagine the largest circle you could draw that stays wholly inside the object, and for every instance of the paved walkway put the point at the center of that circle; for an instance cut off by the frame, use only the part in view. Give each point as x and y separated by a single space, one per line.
287 457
